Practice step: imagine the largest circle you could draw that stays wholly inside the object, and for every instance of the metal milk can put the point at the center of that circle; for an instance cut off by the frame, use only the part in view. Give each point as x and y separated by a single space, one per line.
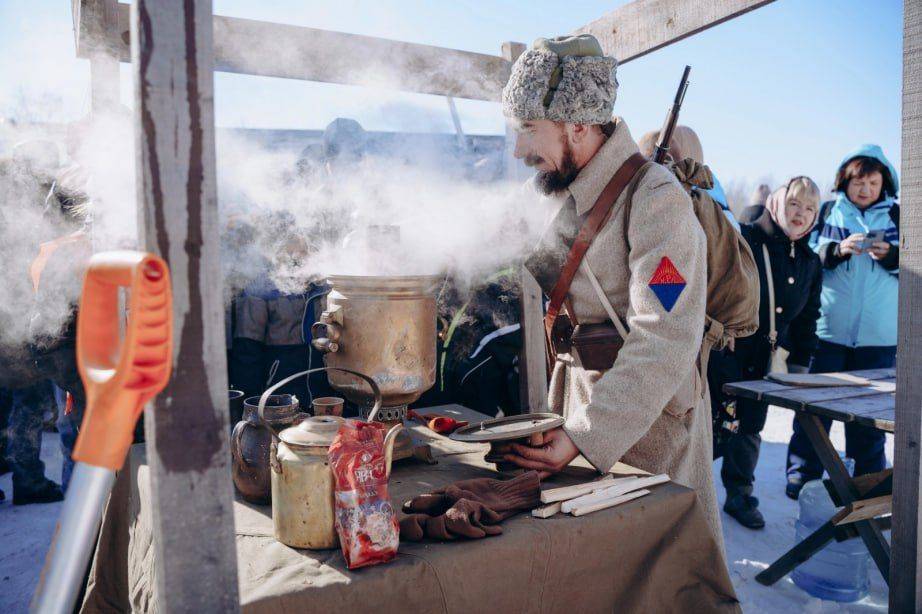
302 484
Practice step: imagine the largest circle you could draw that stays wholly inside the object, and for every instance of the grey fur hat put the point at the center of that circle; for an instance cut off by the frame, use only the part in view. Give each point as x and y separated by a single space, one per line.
566 79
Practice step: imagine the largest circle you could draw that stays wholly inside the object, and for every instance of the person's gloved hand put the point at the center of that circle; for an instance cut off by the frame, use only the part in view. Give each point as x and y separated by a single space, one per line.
464 519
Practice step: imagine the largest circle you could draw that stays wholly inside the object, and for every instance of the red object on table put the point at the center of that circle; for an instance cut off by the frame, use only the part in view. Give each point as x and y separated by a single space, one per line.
443 425
365 520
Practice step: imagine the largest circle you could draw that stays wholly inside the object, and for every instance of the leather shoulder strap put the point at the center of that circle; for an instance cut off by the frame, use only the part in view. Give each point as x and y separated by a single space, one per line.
597 217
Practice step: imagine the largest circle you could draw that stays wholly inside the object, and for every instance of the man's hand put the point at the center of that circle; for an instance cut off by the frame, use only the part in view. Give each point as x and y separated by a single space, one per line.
551 457
879 250
851 246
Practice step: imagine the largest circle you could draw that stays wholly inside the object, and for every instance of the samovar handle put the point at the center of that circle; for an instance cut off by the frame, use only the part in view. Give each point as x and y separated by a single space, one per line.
326 333
268 393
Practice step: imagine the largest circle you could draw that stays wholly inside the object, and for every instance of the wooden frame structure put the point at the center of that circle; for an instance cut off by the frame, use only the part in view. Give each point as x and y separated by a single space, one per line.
175 128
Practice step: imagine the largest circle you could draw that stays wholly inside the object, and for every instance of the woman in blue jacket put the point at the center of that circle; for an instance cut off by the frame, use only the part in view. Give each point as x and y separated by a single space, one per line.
857 239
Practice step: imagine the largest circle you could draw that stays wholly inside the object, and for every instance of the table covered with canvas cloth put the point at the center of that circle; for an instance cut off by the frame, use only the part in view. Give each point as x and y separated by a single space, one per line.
653 554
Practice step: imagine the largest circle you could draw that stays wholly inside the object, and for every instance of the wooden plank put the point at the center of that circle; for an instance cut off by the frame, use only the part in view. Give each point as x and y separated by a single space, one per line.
187 430
753 389
906 588
546 511
867 485
604 504
267 49
874 410
532 357
642 26
563 493
800 398
863 510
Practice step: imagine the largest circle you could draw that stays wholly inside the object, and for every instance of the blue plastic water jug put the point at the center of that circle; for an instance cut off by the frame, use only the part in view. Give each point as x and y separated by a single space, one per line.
838 572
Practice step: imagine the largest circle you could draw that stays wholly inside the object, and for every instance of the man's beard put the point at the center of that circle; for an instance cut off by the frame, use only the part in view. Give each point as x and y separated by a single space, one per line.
552 182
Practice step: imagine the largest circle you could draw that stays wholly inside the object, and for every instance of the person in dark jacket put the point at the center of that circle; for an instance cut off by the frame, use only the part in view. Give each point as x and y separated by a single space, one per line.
781 229
272 340
857 239
480 340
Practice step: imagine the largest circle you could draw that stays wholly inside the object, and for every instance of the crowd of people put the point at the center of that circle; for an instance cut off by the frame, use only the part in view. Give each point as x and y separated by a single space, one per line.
829 278
829 281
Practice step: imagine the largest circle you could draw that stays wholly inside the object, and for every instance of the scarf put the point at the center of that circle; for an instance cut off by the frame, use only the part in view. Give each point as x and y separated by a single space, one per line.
776 207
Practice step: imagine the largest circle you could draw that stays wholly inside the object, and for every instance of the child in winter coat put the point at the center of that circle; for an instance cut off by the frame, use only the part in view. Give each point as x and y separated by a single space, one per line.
857 239
791 280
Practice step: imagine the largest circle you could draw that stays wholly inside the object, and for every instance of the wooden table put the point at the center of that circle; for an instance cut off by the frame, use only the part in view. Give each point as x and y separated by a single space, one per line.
863 499
653 554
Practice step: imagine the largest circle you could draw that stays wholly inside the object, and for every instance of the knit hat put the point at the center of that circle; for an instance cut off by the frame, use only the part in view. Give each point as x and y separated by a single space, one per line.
566 79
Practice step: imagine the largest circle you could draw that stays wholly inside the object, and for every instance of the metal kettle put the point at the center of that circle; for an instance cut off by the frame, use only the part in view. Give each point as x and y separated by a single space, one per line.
301 477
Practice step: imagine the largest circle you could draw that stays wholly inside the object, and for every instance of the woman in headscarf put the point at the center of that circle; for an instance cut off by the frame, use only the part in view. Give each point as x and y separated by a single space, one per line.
857 239
791 281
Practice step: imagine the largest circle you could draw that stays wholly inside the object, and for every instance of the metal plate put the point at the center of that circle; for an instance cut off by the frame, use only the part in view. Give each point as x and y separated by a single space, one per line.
507 428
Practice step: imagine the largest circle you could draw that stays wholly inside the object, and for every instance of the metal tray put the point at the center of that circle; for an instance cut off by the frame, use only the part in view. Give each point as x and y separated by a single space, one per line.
507 428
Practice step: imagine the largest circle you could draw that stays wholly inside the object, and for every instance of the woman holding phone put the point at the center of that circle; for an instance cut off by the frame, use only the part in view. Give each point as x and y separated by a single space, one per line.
857 240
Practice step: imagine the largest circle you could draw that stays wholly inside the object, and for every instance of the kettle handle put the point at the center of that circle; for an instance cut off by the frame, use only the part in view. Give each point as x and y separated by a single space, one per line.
389 446
265 396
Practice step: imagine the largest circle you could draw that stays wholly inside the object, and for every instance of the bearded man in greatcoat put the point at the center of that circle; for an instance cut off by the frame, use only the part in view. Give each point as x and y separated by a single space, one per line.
646 266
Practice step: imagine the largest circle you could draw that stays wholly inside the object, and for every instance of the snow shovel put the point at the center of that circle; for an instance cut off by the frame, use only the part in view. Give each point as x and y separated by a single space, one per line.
120 377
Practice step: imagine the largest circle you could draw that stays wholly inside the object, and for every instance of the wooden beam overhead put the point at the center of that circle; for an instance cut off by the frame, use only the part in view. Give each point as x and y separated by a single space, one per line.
268 49
642 26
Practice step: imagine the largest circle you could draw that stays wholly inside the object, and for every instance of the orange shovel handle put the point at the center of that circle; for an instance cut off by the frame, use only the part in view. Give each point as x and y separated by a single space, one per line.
120 377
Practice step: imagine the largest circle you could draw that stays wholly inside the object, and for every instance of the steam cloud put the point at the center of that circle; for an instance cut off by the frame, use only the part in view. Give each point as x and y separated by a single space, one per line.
283 220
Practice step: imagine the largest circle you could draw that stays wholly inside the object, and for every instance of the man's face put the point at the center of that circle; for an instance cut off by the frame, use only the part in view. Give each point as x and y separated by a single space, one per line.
545 146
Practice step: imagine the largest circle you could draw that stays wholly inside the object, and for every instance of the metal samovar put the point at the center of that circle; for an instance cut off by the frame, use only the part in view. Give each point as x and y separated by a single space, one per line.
385 327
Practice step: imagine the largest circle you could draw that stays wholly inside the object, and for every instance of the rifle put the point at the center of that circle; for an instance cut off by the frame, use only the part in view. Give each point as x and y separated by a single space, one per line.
672 118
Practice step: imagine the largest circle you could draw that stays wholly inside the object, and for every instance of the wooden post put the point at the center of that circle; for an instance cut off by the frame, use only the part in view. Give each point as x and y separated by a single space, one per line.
514 169
532 358
532 362
905 567
187 427
97 38
104 82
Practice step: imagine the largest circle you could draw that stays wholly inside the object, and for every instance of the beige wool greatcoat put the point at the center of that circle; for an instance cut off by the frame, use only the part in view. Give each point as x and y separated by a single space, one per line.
651 409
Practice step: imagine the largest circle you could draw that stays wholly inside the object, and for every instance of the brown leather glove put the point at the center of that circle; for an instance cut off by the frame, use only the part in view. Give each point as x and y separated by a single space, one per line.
467 519
469 508
503 496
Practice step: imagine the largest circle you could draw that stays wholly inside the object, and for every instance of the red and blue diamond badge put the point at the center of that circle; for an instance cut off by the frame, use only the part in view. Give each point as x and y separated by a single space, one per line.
667 284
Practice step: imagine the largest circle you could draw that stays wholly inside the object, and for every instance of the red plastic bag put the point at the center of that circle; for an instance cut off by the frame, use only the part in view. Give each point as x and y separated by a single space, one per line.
365 519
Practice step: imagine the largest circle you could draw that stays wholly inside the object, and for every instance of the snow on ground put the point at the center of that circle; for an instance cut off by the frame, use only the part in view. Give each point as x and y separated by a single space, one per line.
749 552
26 531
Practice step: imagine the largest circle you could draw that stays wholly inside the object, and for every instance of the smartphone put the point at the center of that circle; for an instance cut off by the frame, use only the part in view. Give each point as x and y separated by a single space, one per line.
872 237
